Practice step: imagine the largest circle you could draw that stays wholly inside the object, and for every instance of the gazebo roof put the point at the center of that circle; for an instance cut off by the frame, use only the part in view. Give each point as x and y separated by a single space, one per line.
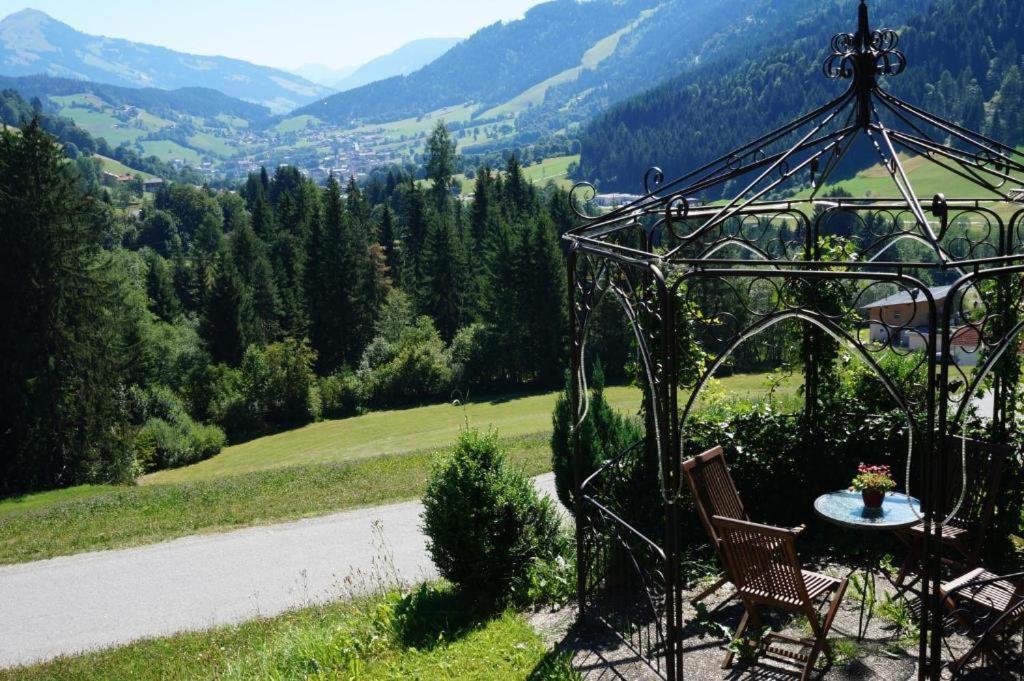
806 152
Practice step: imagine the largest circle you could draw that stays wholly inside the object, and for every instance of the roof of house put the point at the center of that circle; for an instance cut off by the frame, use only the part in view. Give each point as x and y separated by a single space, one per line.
904 297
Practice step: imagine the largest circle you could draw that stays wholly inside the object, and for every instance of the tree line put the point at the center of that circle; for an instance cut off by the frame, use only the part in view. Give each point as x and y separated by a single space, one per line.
139 339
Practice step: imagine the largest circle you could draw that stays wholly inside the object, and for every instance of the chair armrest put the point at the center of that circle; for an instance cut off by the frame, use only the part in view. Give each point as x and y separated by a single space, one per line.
798 529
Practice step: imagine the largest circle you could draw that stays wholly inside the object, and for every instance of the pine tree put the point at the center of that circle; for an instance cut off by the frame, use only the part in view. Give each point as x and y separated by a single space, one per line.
256 275
227 307
61 341
544 303
163 301
440 165
442 291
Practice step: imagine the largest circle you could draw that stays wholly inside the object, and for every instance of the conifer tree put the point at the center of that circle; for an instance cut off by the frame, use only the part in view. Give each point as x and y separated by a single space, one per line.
61 338
442 291
227 307
440 165
163 301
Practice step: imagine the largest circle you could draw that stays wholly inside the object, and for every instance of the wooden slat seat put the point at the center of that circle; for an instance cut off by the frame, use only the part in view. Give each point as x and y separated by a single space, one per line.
766 571
1001 598
975 487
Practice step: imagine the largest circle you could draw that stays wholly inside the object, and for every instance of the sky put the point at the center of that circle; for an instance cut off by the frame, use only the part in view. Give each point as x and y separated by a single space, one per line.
285 34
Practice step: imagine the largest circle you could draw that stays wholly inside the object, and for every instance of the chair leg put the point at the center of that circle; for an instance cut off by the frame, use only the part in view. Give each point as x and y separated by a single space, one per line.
722 581
821 630
730 654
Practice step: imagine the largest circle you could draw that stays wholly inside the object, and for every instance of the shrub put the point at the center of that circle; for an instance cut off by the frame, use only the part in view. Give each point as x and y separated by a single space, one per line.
485 522
280 383
415 367
341 395
169 436
603 435
168 445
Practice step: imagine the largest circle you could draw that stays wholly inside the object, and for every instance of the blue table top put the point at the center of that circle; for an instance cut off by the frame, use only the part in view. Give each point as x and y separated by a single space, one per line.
847 508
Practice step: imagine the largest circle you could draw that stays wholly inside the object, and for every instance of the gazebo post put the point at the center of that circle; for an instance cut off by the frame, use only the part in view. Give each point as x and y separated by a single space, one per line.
576 411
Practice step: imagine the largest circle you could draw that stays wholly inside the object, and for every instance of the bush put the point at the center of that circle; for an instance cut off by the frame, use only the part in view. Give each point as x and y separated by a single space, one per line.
280 384
415 367
604 434
485 522
169 437
341 395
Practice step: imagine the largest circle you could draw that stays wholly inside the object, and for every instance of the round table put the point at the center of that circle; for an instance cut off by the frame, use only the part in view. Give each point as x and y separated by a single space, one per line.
846 509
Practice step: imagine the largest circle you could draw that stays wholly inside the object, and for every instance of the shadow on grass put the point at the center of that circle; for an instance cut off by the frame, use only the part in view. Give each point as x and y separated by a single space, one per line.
431 616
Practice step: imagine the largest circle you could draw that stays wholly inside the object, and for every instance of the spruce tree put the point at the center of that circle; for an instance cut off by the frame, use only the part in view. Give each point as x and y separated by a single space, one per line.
440 165
442 290
61 349
227 308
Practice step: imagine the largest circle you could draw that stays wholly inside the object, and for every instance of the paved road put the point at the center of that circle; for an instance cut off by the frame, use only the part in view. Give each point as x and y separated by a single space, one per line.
94 600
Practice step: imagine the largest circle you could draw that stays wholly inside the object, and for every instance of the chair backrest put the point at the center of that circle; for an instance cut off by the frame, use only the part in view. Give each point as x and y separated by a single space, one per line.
714 492
985 465
763 561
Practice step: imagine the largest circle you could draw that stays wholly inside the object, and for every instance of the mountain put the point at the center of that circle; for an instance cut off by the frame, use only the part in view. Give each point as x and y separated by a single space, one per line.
494 65
324 75
190 101
32 43
408 58
963 58
542 77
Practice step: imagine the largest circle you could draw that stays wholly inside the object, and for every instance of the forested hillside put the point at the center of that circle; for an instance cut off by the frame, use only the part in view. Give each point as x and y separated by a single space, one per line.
141 342
964 63
494 65
193 101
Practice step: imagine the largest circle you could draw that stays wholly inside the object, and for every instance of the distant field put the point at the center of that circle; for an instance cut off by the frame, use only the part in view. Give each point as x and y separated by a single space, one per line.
422 124
296 124
213 144
555 169
103 123
927 178
167 150
381 432
114 166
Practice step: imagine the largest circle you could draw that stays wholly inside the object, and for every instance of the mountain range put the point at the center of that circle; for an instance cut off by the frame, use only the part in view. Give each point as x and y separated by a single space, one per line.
33 43
630 82
410 57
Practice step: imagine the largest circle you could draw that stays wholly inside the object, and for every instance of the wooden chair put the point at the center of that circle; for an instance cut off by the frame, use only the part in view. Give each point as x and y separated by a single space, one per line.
1000 604
714 494
767 572
965 532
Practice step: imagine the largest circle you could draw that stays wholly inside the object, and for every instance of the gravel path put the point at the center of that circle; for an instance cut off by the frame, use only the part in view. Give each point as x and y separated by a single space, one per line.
95 600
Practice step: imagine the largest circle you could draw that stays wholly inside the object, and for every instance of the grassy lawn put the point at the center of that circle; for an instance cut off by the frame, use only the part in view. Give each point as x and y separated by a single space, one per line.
427 635
325 467
296 123
91 518
382 432
555 168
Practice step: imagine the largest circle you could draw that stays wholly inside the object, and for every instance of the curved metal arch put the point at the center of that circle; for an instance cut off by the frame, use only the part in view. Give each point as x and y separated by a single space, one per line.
646 357
1005 343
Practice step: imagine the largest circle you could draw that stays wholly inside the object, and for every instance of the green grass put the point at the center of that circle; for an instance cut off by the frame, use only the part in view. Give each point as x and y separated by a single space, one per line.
296 124
167 150
555 169
214 145
91 518
115 166
427 635
926 177
383 432
325 467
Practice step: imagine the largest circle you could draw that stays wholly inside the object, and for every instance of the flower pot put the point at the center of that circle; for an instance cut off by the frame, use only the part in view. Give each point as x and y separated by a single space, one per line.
872 498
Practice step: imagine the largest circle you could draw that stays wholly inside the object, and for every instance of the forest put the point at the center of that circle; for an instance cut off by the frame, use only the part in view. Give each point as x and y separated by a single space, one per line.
964 63
151 337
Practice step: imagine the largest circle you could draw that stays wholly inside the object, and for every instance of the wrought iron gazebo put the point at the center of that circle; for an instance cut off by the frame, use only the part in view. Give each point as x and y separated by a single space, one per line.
665 255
